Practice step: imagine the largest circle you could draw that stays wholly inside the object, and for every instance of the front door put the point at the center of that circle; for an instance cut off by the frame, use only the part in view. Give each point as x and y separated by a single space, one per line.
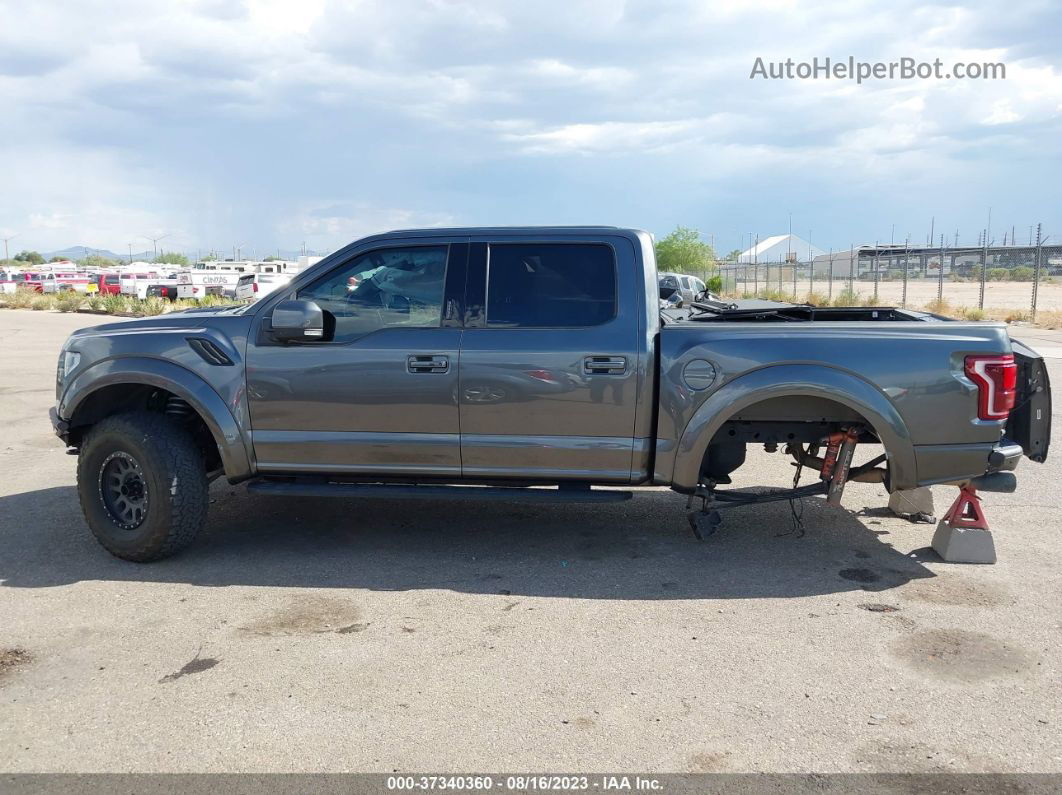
549 360
379 395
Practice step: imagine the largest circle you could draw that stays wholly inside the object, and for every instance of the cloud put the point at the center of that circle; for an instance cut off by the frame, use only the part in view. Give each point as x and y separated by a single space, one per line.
274 121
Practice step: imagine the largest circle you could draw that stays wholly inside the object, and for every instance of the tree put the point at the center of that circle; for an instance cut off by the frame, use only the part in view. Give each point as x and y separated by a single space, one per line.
33 257
96 261
171 258
733 255
683 251
57 259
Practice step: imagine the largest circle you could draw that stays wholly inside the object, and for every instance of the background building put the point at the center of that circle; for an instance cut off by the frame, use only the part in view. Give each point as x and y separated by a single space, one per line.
780 248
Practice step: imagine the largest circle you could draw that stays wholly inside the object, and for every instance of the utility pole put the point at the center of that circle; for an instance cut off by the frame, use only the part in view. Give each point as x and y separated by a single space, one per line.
155 242
932 229
6 240
130 253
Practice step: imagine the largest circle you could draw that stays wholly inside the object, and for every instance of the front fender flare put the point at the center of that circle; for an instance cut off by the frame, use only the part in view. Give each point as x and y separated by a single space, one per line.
181 382
793 380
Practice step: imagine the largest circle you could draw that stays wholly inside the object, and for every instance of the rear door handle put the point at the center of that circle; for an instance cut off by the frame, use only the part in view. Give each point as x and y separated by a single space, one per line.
432 363
605 365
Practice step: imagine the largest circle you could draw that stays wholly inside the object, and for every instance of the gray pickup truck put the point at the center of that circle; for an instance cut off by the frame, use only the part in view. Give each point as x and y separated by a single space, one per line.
524 364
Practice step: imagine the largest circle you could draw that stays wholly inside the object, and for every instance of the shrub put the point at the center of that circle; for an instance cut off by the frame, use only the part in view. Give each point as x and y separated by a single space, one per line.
1022 273
96 302
872 300
22 298
939 306
998 274
153 306
115 304
817 299
973 313
1050 319
69 301
846 297
774 295
1016 316
42 301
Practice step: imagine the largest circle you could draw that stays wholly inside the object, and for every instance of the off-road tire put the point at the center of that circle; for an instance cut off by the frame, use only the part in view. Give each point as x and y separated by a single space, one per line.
172 470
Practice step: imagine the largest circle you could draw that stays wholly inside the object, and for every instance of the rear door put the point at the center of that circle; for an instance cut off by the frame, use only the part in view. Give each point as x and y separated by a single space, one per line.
549 359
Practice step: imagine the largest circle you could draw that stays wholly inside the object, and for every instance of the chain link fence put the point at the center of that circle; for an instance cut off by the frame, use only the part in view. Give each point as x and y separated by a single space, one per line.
1004 282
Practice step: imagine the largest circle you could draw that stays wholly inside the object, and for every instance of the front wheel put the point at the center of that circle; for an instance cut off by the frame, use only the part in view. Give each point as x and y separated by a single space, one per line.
143 486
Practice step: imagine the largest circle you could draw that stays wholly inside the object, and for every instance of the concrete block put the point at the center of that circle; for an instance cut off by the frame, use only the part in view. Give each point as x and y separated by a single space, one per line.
911 501
964 545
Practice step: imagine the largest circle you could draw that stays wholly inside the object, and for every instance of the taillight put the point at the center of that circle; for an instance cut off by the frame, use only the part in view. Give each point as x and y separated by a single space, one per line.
254 286
996 377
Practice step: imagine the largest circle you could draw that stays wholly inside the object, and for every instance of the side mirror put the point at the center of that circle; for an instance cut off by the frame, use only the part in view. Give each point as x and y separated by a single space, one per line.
297 320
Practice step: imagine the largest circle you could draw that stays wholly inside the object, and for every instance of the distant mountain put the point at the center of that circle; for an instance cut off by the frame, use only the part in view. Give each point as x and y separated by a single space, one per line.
80 252
247 252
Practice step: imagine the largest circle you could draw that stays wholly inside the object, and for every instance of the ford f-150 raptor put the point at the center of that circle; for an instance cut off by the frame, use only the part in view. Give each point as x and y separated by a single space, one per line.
524 364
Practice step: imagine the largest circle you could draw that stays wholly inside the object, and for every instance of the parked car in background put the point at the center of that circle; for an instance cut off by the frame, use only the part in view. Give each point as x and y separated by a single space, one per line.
167 290
253 286
108 283
199 283
141 285
73 281
689 287
9 280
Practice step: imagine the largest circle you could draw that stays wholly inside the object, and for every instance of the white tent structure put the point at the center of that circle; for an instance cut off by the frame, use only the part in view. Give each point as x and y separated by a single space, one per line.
781 248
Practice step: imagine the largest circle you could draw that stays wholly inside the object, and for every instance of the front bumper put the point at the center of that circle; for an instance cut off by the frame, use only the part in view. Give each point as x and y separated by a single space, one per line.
59 425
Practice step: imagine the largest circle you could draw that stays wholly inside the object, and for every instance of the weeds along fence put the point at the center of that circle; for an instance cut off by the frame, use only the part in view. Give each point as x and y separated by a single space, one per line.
1019 280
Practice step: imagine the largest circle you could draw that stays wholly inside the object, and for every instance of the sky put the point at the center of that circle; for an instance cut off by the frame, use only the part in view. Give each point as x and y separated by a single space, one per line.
272 124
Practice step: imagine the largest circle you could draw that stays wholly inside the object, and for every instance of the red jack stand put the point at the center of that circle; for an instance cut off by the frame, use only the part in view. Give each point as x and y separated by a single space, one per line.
963 535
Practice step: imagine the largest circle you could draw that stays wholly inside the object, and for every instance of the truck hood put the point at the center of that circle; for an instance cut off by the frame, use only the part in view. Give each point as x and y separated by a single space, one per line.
188 318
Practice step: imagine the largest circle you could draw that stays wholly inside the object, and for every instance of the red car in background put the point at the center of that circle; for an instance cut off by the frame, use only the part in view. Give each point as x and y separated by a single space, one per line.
108 283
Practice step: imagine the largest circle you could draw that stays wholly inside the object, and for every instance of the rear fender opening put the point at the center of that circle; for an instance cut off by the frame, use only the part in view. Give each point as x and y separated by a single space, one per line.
789 404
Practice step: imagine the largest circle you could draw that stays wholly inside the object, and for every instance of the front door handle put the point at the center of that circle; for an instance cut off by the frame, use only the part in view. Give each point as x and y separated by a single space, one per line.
605 365
431 363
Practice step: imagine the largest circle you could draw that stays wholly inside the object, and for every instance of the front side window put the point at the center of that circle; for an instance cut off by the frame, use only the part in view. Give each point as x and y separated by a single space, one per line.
550 285
382 289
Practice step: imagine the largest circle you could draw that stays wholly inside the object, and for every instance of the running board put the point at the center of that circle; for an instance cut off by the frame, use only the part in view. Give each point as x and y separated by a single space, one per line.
415 492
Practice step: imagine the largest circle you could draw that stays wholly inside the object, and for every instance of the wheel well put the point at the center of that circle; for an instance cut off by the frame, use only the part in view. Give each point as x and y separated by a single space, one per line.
119 398
799 419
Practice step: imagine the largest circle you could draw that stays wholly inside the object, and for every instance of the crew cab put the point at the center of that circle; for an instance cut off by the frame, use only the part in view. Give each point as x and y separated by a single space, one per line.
523 364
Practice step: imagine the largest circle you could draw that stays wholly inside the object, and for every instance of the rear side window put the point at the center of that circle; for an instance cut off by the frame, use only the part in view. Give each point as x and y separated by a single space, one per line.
550 285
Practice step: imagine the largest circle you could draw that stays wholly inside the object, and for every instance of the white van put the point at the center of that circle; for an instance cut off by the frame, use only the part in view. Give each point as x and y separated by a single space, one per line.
197 284
253 286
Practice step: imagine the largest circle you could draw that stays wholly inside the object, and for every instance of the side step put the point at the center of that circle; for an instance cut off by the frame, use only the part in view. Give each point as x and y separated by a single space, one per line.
416 492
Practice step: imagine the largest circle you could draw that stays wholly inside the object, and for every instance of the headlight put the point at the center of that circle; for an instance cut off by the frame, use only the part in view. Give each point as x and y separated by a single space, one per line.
68 362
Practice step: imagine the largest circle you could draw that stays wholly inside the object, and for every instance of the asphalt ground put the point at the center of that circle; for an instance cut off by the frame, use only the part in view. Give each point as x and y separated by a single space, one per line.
379 635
